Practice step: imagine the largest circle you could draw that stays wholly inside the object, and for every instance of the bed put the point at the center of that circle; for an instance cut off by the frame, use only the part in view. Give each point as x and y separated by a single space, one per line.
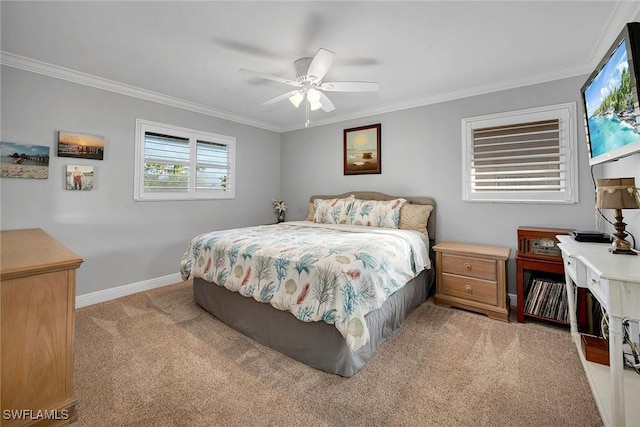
326 291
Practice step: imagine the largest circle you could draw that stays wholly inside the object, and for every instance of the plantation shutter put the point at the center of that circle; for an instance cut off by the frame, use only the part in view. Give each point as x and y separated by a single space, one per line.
525 157
520 157
166 160
212 166
175 163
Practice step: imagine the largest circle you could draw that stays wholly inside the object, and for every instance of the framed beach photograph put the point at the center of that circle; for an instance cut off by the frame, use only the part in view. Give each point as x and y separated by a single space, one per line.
362 150
24 161
79 177
80 145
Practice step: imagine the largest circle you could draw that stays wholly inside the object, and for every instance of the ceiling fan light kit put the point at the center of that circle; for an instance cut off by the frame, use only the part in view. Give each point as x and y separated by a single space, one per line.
309 75
313 95
296 99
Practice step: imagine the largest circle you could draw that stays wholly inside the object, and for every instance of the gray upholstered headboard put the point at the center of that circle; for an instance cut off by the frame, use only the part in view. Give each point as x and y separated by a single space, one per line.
374 195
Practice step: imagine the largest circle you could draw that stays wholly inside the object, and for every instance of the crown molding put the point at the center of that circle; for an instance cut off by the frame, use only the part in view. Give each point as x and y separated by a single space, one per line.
625 11
55 71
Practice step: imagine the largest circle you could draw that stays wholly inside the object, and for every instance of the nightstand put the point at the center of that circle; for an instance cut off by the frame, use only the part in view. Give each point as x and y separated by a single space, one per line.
472 277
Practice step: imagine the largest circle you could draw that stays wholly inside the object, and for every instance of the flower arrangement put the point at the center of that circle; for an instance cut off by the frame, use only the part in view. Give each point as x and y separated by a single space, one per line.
280 208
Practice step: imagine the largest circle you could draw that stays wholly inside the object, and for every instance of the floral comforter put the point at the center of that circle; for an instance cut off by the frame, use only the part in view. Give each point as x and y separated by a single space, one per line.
333 273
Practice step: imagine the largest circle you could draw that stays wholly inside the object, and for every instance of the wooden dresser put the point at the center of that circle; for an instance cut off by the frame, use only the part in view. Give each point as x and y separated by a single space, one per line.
472 277
37 290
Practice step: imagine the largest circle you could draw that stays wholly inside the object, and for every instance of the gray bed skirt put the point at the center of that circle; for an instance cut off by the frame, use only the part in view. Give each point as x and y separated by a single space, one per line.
316 344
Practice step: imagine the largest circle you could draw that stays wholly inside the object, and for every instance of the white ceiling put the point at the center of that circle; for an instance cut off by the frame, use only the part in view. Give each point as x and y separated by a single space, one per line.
189 53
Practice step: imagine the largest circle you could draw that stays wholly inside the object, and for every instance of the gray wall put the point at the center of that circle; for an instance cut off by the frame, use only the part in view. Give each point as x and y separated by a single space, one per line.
121 241
125 242
422 155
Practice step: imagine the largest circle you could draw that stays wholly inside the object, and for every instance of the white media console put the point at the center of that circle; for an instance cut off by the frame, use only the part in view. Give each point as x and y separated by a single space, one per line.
615 281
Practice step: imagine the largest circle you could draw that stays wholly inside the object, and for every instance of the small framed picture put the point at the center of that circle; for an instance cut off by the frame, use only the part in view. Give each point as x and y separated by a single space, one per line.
362 150
24 160
80 145
79 177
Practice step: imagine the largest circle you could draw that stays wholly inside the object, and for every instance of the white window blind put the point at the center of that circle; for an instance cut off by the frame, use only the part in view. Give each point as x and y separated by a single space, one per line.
212 166
175 163
166 163
522 156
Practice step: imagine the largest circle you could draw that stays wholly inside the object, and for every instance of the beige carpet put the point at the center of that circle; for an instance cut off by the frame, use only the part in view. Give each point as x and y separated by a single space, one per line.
158 359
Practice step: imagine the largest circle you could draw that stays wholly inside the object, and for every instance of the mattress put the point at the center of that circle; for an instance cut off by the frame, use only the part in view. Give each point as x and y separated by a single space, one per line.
327 297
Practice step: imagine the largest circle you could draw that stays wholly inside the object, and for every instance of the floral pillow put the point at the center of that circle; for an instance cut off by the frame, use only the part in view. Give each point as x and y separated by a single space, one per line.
376 213
415 217
332 211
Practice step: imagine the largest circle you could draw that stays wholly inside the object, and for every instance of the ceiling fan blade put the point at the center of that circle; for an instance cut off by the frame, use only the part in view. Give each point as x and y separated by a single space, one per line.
320 65
350 86
327 105
270 77
246 48
280 97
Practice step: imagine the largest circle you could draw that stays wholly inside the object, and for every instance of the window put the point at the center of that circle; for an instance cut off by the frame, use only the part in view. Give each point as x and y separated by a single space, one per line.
174 163
521 156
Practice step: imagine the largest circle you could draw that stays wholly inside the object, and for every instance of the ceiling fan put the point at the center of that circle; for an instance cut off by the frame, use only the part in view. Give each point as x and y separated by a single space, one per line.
309 84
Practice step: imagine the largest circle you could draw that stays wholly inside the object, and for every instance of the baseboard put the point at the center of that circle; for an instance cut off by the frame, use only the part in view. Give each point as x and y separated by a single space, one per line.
122 291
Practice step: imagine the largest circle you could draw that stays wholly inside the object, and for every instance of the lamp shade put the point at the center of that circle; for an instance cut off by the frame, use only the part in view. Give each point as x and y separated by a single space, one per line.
617 193
296 99
313 95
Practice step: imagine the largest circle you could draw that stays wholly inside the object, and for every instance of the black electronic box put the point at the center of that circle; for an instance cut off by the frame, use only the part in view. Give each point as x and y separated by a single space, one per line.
590 236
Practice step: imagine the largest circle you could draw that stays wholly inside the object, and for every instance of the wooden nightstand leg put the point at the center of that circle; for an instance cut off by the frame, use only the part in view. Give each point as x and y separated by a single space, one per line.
499 316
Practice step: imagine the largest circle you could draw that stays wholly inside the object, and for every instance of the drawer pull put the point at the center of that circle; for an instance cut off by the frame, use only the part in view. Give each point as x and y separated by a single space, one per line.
467 266
467 288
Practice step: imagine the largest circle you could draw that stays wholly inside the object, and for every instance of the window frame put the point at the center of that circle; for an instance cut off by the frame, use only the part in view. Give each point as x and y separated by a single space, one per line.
194 136
566 114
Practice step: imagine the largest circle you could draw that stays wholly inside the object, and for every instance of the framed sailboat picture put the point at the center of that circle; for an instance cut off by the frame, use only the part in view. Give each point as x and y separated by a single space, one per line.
362 150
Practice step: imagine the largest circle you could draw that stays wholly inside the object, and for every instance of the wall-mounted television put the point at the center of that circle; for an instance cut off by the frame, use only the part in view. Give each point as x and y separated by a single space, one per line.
610 96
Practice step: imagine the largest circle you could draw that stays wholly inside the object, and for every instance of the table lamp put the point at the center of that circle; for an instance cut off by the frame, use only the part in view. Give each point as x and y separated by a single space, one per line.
618 194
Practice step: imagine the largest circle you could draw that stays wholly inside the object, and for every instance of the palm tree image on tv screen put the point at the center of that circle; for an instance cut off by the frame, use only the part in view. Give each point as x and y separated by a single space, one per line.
613 122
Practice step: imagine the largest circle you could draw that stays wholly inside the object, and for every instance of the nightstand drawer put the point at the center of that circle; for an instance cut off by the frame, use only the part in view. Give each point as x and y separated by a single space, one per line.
469 266
471 289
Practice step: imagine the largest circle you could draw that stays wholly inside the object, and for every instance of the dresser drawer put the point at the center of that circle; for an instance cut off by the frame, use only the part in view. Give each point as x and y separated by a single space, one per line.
469 266
469 288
